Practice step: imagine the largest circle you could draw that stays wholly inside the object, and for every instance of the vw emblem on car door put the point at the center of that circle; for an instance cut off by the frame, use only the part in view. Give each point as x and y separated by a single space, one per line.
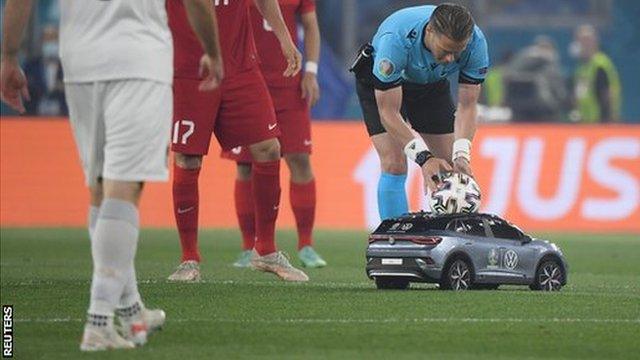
510 259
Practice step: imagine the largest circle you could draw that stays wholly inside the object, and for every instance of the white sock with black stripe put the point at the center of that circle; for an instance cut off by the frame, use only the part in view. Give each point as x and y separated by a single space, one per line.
113 249
130 295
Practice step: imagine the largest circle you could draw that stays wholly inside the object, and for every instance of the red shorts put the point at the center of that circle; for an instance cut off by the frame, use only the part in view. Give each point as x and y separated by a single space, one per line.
240 112
293 116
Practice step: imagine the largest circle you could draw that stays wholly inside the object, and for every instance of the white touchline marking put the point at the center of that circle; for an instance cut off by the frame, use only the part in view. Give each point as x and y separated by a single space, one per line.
363 321
570 291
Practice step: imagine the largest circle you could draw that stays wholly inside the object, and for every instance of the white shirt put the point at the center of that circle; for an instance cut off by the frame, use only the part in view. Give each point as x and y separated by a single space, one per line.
102 40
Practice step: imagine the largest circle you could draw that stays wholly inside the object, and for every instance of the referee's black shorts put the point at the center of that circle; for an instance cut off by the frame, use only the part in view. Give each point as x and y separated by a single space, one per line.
428 108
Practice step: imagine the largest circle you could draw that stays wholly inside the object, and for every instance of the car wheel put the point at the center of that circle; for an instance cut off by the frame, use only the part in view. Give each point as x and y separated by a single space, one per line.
549 276
385 283
456 275
486 286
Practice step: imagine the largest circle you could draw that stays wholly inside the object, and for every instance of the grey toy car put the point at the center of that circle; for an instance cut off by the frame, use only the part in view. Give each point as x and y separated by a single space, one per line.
460 252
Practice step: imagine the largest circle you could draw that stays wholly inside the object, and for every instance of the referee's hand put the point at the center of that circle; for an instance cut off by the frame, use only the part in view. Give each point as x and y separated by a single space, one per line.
431 169
462 165
13 84
211 72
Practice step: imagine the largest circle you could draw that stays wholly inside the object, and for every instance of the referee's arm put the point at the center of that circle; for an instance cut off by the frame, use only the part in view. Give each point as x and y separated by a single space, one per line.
467 112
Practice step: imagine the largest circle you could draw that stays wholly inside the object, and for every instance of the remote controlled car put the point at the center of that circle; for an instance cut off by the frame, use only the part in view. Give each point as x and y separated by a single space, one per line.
460 252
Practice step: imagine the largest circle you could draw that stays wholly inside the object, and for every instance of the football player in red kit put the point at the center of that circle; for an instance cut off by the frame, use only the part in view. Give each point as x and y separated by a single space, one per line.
292 98
239 113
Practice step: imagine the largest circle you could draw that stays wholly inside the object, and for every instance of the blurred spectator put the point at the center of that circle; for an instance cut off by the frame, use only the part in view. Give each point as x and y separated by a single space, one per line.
44 72
597 90
493 87
534 86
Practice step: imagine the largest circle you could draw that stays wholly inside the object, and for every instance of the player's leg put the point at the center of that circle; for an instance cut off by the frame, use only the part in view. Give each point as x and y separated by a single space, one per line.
95 199
130 301
245 211
243 201
186 201
247 117
266 193
302 196
292 112
265 182
128 146
137 114
392 197
106 286
193 122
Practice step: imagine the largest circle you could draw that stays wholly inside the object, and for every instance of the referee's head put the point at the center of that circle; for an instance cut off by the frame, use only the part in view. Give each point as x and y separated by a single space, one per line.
448 32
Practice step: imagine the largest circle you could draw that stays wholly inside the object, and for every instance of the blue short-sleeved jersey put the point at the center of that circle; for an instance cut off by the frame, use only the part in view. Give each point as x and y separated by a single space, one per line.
399 54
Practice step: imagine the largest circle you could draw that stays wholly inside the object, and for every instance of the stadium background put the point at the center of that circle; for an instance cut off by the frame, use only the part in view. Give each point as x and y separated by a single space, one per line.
574 184
544 176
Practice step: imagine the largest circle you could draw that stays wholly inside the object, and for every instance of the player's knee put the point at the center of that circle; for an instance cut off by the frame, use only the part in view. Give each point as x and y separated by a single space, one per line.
243 171
267 150
185 161
123 190
96 194
300 166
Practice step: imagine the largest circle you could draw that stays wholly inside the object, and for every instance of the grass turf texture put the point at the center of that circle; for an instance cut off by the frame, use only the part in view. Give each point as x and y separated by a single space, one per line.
237 313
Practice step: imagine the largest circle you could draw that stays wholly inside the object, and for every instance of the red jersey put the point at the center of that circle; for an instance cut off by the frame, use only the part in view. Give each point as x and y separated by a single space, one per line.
272 62
234 30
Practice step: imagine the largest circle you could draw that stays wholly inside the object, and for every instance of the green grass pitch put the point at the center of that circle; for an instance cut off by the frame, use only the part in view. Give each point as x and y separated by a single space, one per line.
339 314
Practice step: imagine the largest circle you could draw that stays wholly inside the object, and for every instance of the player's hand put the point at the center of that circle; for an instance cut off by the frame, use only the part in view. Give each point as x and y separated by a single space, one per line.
431 169
310 88
293 57
462 165
211 72
13 84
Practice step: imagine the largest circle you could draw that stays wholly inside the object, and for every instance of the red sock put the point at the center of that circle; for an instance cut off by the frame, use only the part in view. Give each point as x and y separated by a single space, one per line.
245 210
185 209
303 203
265 177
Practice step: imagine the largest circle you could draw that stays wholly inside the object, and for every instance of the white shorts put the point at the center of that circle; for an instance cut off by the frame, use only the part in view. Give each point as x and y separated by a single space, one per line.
122 128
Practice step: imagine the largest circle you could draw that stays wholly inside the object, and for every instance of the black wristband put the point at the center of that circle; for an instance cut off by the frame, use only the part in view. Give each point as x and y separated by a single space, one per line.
422 157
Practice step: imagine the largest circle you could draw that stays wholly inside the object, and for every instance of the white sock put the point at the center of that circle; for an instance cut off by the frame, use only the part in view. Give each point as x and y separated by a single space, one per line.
113 249
130 295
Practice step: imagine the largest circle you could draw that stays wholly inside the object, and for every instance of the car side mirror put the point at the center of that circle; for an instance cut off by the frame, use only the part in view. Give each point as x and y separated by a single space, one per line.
526 239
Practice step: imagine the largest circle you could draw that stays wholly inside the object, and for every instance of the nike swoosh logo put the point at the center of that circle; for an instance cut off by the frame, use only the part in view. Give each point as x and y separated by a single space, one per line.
272 126
182 211
307 143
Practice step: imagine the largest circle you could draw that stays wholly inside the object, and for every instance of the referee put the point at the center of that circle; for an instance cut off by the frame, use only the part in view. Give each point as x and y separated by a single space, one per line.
401 82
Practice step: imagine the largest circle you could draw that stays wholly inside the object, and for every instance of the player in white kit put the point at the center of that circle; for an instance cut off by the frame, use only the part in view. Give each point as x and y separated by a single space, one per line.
117 58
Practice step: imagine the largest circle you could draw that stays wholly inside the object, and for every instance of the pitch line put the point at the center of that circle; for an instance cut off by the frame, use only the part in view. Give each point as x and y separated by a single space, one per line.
362 321
330 284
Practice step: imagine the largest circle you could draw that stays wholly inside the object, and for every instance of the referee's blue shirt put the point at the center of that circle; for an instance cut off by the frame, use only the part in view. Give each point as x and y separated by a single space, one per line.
400 55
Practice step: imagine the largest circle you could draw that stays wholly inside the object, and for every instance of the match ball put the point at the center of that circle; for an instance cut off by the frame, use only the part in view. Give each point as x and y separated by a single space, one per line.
456 193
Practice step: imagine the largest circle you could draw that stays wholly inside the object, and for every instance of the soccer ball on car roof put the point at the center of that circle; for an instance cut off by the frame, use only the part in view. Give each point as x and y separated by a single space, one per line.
456 193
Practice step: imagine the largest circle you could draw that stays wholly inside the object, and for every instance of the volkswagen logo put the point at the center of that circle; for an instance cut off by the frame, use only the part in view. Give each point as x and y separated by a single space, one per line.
510 259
